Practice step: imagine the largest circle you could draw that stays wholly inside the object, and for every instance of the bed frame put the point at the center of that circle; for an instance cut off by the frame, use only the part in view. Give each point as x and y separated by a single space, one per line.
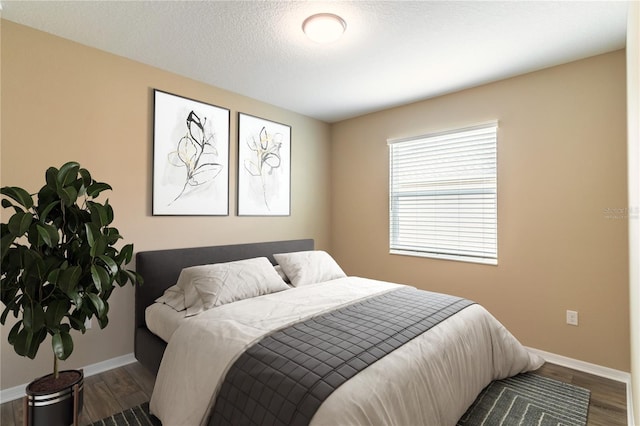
161 268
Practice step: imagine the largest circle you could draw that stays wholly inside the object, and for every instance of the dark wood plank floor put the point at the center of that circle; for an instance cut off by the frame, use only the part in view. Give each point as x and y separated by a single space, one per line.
608 403
125 387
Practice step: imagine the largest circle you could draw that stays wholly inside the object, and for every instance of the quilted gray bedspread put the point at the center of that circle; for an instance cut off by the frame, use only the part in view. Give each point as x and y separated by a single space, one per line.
285 377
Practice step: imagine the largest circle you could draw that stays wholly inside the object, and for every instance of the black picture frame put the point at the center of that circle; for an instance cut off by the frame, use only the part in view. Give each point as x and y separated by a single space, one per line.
190 157
264 167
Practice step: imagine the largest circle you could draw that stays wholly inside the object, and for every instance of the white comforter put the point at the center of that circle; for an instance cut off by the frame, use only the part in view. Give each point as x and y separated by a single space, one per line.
431 380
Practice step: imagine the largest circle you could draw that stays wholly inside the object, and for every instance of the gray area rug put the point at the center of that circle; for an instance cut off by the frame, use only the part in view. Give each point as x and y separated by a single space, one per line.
527 400
136 416
523 400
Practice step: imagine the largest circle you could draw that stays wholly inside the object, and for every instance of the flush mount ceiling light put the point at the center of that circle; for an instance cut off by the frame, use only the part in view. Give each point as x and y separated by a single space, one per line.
324 27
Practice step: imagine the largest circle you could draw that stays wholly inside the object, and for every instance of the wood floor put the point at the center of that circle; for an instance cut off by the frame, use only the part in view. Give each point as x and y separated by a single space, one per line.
608 402
125 387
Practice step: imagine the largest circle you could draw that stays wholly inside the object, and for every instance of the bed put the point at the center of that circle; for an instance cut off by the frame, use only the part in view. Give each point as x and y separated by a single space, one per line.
205 354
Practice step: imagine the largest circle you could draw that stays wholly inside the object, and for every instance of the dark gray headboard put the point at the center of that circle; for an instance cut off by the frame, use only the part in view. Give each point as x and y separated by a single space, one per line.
160 270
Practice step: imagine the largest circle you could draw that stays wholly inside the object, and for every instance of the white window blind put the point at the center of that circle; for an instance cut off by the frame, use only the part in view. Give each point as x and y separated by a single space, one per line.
443 195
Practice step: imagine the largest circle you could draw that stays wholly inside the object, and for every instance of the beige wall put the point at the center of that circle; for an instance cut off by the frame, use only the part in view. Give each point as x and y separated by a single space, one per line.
62 101
561 165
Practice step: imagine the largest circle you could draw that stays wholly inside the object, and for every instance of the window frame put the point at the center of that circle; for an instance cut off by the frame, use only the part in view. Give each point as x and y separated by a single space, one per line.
488 190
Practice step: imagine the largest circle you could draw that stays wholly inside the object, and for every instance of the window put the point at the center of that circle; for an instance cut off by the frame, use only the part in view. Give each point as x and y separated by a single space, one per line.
443 195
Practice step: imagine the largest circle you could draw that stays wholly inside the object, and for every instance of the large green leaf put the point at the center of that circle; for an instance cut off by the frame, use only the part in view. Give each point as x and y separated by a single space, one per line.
75 221
100 277
18 194
68 173
109 262
33 317
112 235
99 246
34 267
96 188
86 177
45 212
56 312
126 275
103 322
5 314
68 195
26 343
19 223
48 233
75 298
9 287
97 303
99 214
9 295
62 344
54 275
13 334
5 245
69 278
126 254
22 342
33 236
51 177
77 320
11 266
93 232
48 195
109 209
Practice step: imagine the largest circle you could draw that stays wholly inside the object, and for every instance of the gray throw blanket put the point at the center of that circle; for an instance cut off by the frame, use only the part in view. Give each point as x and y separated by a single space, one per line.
283 378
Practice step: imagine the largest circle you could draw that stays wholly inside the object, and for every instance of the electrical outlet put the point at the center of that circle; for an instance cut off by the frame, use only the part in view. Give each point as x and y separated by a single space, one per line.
87 323
572 317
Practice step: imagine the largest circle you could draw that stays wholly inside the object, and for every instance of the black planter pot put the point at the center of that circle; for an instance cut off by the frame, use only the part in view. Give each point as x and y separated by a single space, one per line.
54 408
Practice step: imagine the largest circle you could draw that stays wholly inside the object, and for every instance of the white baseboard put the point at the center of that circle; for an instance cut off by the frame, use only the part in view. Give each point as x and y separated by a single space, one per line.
586 367
16 392
596 370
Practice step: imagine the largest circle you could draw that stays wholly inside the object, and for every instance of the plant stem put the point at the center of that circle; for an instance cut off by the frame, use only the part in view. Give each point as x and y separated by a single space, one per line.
55 367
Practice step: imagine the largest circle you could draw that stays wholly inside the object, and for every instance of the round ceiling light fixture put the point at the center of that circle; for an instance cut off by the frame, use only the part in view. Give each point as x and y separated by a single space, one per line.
324 27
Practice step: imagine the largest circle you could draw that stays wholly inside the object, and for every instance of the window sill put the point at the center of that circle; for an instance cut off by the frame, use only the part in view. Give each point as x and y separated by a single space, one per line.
467 259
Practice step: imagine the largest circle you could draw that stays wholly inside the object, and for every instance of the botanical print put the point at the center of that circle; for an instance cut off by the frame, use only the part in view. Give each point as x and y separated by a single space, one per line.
264 149
191 157
265 158
196 152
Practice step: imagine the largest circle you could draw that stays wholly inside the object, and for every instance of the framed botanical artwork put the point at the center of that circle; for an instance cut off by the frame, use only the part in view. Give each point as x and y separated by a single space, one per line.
190 157
264 167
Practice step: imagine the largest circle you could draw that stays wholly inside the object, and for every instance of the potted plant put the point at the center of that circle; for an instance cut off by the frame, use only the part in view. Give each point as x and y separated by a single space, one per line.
59 268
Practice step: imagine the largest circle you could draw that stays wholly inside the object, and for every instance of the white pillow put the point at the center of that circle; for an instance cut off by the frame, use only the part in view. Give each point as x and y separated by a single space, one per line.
309 267
208 286
174 297
280 272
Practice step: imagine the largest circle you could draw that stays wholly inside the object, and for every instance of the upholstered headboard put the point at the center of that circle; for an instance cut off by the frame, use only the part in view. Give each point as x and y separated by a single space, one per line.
160 270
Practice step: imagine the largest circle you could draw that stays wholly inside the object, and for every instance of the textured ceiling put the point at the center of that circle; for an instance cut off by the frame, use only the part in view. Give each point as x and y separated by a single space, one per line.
393 52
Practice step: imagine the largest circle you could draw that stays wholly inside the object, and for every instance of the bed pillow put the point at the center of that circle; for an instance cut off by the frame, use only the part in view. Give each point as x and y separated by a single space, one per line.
309 267
208 286
174 297
280 272
192 301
